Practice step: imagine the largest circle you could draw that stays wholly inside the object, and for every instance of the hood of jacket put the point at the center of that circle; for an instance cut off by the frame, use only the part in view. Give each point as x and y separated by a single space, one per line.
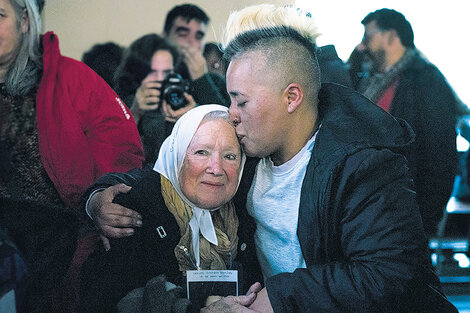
350 122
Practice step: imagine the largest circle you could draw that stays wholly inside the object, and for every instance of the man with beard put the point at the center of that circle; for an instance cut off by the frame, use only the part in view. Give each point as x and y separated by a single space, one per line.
404 83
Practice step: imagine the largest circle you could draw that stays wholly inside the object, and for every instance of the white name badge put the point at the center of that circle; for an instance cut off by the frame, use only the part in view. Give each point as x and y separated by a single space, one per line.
210 283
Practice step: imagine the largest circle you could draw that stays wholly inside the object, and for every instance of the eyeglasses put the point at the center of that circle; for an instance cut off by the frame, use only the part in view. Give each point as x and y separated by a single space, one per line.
368 36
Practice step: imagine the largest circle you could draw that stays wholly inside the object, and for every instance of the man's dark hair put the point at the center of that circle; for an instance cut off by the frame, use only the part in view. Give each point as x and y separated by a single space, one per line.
250 40
285 50
186 11
388 19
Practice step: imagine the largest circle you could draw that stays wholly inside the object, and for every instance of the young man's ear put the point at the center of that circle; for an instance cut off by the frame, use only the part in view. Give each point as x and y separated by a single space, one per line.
25 22
294 95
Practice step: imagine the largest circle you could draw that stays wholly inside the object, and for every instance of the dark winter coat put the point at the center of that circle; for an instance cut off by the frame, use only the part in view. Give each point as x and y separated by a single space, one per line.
359 226
332 68
425 100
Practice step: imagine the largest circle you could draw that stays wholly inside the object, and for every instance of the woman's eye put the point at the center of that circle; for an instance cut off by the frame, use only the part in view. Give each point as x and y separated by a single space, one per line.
240 104
231 156
201 152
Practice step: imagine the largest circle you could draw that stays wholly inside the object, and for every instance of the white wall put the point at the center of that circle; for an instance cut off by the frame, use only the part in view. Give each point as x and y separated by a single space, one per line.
440 27
82 23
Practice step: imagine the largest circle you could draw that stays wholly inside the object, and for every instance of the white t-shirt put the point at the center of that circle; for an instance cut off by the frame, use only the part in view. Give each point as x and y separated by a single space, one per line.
273 201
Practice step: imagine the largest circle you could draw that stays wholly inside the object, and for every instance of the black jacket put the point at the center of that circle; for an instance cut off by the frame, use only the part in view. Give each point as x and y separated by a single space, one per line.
332 68
359 227
132 261
424 99
106 277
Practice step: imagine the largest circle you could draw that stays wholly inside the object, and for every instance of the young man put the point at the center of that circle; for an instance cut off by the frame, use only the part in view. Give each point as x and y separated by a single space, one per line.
185 27
331 198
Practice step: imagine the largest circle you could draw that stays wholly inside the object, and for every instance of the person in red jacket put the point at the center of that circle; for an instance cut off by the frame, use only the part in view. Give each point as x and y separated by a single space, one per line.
61 125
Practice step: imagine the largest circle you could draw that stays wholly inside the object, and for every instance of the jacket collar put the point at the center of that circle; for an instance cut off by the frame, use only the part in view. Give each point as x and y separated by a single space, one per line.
355 122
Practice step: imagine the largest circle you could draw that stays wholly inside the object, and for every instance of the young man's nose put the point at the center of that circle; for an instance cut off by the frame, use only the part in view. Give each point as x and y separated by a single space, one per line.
234 116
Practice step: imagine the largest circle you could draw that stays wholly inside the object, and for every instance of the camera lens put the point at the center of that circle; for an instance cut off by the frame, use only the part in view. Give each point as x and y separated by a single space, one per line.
173 89
174 96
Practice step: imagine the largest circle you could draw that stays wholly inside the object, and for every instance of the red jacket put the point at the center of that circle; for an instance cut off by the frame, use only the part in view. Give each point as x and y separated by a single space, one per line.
84 129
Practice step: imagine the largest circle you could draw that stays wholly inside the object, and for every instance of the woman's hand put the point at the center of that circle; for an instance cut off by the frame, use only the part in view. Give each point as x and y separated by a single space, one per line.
231 304
241 304
147 96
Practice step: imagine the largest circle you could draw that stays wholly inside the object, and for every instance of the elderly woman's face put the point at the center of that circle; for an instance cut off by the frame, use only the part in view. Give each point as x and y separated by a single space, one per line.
9 33
209 175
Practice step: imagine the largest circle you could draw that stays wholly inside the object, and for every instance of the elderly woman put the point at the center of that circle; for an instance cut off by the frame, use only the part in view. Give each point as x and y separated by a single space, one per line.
61 127
188 220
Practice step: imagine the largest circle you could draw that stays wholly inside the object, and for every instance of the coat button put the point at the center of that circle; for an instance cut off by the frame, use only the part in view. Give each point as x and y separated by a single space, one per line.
161 231
243 246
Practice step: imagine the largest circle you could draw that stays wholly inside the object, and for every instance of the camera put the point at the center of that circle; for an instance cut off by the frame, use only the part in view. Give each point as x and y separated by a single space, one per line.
173 89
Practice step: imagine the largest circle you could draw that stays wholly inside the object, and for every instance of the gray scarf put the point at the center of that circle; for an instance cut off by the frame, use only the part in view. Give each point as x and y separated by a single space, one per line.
373 86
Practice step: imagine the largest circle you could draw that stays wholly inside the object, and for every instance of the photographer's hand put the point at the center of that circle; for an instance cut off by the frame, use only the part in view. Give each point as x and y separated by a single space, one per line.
195 62
173 115
147 97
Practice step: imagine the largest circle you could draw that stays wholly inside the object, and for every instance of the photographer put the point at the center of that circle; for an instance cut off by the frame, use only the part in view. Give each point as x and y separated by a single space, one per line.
145 80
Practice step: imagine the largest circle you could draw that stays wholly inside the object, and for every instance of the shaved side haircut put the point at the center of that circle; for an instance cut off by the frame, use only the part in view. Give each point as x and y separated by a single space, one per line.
289 57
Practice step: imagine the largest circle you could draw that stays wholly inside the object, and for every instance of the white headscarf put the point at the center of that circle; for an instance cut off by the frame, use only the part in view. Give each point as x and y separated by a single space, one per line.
169 163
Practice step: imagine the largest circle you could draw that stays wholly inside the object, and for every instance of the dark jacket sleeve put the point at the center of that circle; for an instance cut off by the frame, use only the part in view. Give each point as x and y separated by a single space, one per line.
436 157
111 179
107 276
114 178
368 251
210 89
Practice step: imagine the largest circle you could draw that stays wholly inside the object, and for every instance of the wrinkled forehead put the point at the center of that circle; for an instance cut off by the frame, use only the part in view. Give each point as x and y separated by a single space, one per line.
211 131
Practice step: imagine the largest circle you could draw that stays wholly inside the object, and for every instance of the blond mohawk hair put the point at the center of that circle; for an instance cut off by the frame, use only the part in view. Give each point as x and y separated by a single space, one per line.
268 16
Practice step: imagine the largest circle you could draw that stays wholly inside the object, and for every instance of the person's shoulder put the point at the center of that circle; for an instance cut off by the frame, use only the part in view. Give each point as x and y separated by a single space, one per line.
422 68
80 79
58 62
76 68
327 53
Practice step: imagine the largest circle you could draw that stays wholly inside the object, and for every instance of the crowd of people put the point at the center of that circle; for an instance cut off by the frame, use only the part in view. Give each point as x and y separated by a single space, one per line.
318 182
